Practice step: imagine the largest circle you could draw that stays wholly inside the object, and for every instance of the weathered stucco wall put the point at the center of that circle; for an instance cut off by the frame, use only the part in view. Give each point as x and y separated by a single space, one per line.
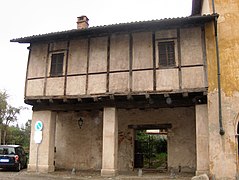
37 63
84 146
75 147
223 150
181 138
129 66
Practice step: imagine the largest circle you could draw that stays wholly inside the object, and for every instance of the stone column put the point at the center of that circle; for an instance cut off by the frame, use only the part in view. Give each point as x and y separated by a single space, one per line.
46 147
202 139
110 142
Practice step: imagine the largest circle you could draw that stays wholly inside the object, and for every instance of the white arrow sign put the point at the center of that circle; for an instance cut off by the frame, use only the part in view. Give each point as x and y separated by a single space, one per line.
38 137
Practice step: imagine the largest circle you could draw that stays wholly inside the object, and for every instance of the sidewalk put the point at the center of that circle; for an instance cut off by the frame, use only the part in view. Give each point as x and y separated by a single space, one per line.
95 175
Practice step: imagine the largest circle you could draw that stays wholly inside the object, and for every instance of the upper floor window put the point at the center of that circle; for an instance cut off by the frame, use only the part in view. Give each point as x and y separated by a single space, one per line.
166 54
57 64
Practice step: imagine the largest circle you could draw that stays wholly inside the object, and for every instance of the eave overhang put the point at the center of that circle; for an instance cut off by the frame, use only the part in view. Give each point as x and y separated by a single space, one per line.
152 25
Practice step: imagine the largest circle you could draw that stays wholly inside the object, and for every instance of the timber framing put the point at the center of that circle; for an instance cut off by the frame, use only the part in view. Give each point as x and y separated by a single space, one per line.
142 100
150 126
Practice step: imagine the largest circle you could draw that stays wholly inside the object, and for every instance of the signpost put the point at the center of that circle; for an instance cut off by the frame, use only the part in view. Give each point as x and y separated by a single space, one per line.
38 132
38 138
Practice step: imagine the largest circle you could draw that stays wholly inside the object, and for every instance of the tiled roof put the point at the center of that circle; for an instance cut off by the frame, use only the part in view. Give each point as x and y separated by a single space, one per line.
117 28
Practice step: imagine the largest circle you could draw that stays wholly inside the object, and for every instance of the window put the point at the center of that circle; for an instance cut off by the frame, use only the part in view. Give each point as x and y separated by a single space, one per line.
57 64
166 54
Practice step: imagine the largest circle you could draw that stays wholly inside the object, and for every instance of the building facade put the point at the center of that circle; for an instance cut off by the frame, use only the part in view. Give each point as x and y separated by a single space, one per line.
223 149
94 88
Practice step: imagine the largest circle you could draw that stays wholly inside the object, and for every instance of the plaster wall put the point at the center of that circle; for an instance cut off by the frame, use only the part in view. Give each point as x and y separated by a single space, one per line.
223 150
191 46
56 46
31 87
119 60
193 77
86 62
142 50
181 138
46 147
55 86
97 84
76 85
167 84
77 62
37 63
143 81
76 147
98 55
84 146
115 78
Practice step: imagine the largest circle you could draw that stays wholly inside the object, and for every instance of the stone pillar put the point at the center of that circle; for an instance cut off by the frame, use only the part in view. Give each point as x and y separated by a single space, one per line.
46 147
202 139
110 142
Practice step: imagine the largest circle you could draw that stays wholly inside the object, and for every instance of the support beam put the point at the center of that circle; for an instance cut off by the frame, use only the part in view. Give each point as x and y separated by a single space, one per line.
202 139
45 149
130 97
112 97
185 94
79 99
110 143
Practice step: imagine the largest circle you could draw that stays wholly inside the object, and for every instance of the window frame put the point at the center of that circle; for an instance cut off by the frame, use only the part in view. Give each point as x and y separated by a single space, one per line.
170 55
166 40
54 71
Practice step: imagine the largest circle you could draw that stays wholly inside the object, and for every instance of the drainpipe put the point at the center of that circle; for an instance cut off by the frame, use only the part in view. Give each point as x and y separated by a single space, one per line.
221 131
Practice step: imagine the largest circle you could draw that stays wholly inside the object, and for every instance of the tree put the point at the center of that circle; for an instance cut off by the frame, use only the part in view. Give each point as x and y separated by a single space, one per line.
21 136
8 114
3 105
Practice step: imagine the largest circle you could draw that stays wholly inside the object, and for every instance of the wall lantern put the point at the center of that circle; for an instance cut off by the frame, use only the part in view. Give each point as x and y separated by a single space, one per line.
80 122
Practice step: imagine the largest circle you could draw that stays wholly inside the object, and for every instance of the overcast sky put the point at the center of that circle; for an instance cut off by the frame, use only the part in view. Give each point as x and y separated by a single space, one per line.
20 18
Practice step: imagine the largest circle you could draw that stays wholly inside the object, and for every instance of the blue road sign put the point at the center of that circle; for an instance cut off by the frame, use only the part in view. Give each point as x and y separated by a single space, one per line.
38 126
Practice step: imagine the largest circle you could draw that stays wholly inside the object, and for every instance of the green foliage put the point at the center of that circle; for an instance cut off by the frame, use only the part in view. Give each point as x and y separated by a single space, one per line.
153 147
3 105
8 115
21 136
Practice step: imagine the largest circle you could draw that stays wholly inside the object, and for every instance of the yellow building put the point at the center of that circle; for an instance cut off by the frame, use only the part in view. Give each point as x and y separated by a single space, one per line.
222 44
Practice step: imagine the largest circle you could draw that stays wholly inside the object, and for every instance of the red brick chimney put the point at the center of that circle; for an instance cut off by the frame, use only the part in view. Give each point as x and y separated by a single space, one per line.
82 22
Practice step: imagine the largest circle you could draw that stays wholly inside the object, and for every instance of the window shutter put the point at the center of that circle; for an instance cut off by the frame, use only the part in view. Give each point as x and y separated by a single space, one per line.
57 64
166 53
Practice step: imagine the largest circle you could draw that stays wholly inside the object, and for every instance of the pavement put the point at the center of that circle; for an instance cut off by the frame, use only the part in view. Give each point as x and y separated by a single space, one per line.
89 175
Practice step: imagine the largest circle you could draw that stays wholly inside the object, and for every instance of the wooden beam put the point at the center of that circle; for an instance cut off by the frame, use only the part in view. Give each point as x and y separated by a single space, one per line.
79 99
130 97
112 97
130 62
96 99
166 95
185 94
147 96
154 62
150 126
